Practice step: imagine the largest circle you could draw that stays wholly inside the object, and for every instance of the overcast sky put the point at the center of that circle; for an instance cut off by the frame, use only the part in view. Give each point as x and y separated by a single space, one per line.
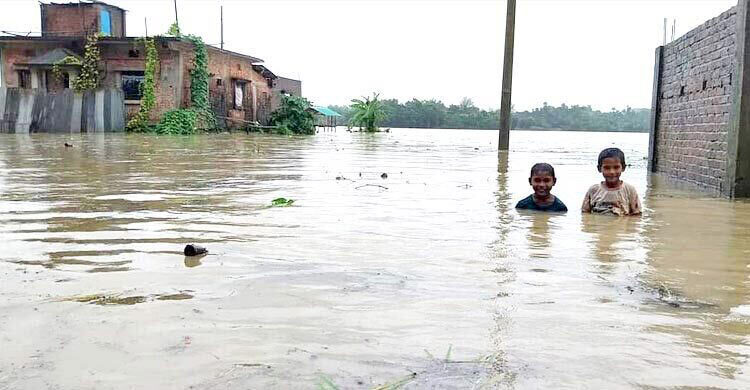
590 52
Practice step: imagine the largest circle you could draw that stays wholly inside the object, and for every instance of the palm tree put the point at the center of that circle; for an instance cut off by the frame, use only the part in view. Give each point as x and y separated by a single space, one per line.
367 112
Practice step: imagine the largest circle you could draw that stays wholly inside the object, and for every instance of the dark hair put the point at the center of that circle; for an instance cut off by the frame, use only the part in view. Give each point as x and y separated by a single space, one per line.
611 153
542 167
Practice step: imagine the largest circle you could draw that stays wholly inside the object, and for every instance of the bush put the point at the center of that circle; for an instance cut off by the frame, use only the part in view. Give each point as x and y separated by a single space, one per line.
178 122
294 116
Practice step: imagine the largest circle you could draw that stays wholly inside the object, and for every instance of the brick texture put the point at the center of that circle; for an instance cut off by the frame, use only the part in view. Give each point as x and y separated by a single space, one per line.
695 102
76 19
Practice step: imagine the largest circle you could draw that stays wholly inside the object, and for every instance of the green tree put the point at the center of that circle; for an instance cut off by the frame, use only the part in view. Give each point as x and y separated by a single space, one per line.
367 113
294 116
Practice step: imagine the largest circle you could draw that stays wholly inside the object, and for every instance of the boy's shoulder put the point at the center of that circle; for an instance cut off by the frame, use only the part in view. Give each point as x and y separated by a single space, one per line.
526 203
594 187
629 186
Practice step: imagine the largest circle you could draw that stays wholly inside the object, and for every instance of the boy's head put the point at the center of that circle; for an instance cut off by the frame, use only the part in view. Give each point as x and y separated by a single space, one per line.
542 179
611 164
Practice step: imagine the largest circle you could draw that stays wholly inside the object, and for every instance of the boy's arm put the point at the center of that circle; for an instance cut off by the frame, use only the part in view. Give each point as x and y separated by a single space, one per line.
586 207
635 202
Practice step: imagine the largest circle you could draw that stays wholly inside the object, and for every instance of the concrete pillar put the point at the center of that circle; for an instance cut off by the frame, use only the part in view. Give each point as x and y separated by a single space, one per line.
655 96
99 111
75 115
737 182
72 75
36 79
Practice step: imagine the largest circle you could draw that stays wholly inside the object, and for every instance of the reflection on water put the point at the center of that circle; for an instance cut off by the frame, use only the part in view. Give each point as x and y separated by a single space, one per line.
427 278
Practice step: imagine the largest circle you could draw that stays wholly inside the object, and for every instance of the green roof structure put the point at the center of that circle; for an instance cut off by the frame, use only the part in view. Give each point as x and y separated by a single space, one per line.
325 111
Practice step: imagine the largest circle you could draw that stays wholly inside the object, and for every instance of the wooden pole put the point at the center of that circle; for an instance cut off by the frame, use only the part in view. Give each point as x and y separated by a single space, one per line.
175 14
222 27
510 30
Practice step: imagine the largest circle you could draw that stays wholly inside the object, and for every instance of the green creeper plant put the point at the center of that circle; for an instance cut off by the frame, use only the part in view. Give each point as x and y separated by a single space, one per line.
367 113
88 79
293 116
140 121
69 60
174 30
177 122
199 78
199 114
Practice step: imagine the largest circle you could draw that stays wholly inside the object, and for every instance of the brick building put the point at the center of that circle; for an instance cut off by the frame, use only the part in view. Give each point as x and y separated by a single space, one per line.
700 127
240 87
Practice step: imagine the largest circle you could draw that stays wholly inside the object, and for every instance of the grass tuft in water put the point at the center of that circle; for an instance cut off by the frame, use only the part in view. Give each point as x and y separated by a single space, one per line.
282 202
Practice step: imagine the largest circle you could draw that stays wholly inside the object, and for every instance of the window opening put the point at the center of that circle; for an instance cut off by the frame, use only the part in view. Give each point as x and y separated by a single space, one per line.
239 94
24 79
131 84
106 23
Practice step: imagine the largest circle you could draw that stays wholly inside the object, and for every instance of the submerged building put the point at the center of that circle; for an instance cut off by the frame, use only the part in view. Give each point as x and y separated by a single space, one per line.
241 88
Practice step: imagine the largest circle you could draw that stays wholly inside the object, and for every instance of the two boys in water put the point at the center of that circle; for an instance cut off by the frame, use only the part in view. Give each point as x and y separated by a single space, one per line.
611 196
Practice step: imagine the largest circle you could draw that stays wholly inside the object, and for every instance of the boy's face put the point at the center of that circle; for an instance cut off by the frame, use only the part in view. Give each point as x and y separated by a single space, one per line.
611 169
542 183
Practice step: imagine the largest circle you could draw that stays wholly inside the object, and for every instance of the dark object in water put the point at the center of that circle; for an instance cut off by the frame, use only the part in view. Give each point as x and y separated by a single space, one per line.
384 176
194 250
67 145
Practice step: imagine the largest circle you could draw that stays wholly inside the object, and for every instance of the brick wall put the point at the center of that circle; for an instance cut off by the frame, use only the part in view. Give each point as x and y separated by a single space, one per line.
21 52
695 102
78 20
228 67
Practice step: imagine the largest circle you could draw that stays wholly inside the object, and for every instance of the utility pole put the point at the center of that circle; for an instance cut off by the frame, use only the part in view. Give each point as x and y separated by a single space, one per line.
222 27
145 24
510 30
665 31
177 22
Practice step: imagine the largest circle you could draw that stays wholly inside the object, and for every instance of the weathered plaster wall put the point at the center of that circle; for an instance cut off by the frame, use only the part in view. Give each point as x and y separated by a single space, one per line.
694 104
284 85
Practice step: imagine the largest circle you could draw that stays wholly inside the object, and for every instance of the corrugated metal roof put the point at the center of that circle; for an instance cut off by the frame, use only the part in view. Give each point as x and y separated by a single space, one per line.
325 111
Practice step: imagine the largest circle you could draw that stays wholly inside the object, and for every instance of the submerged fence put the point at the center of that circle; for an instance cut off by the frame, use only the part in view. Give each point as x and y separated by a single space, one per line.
35 110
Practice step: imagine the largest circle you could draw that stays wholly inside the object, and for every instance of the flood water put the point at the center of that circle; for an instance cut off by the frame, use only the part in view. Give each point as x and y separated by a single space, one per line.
427 278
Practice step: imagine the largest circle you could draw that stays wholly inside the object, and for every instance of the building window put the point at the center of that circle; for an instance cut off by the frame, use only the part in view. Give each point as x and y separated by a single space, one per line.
24 79
106 23
239 94
131 85
66 80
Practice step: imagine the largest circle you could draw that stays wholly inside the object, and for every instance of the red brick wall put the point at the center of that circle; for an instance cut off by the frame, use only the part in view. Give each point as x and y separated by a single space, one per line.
74 20
20 52
69 20
227 67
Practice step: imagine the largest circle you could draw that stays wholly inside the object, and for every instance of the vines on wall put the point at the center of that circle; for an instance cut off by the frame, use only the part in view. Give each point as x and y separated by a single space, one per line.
57 70
88 79
140 121
198 115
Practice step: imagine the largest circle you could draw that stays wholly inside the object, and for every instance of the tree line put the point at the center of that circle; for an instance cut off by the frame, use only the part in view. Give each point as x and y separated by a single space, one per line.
465 115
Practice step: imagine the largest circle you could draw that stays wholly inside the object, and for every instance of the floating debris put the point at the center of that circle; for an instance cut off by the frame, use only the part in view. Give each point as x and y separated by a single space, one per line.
384 176
194 250
117 299
282 202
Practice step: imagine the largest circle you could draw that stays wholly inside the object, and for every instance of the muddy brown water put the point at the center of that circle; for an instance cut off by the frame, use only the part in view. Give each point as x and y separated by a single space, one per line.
427 278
